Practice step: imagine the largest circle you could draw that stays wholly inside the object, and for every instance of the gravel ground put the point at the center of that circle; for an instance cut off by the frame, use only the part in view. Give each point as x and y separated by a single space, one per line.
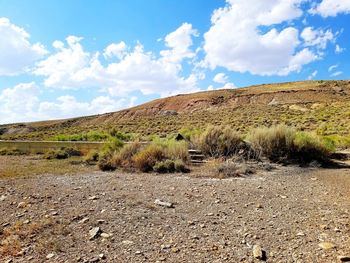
289 212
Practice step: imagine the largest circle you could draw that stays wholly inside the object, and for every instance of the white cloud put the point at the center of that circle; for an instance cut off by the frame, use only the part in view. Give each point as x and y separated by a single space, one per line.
336 74
17 103
236 42
115 50
210 87
229 85
338 49
69 106
317 37
136 69
313 75
22 103
179 43
220 78
17 54
331 68
331 8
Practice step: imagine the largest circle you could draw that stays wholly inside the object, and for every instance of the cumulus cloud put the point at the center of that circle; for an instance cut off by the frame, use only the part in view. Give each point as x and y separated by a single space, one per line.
237 40
331 8
115 50
317 37
135 69
22 103
17 54
179 43
17 103
220 78
68 106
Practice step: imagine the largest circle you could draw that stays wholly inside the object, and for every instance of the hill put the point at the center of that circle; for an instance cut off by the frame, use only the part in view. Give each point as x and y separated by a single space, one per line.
322 106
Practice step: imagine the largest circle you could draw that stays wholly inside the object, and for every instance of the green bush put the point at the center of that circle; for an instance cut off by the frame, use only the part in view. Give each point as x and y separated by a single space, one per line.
231 168
170 166
284 144
167 166
219 142
189 133
112 146
105 164
56 154
11 151
276 142
145 159
309 147
92 157
124 157
62 153
180 167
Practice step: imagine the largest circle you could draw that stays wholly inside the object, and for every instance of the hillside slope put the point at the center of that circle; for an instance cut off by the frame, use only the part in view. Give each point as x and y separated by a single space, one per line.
312 105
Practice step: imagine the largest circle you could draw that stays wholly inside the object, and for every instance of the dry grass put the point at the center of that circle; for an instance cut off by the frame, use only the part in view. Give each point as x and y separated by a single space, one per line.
19 166
219 141
42 236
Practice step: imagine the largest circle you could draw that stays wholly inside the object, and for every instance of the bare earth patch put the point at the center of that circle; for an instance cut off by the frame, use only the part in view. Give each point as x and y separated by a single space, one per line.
292 214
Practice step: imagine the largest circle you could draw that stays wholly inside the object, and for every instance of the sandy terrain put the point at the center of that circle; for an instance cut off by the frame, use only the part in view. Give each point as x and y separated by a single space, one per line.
289 212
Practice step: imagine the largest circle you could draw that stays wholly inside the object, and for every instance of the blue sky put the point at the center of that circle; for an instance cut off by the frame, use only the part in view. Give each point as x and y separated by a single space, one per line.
66 58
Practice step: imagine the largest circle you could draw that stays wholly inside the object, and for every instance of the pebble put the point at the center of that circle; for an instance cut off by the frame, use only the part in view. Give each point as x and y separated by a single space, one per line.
127 242
326 245
3 198
84 220
163 203
105 235
94 233
49 256
258 253
21 205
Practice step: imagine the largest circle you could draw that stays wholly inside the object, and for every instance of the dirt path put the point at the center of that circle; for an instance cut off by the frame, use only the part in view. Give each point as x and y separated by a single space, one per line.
288 212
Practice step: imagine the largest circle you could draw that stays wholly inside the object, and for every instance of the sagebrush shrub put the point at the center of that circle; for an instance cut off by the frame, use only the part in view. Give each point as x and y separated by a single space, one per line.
219 141
145 159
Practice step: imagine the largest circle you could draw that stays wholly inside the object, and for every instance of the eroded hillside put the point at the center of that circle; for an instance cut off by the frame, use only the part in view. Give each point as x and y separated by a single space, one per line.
310 105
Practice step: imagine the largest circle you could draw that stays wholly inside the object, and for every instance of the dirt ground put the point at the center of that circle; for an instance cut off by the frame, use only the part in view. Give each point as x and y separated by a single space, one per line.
290 212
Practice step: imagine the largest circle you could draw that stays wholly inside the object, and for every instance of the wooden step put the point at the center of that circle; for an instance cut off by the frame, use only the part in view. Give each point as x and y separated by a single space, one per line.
194 151
197 156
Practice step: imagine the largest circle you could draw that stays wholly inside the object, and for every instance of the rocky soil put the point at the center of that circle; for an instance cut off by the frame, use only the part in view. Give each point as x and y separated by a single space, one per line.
285 215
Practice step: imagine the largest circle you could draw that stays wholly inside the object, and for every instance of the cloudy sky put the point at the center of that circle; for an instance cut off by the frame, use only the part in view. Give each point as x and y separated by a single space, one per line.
64 58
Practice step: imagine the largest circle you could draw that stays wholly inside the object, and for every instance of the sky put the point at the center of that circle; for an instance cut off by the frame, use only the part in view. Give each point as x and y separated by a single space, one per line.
64 58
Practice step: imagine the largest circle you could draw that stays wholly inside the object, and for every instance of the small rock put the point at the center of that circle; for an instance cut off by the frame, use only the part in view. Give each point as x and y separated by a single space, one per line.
26 222
94 233
21 205
259 206
300 234
105 235
258 253
3 198
93 197
138 252
326 245
84 220
344 258
49 256
127 242
102 256
162 203
9 260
